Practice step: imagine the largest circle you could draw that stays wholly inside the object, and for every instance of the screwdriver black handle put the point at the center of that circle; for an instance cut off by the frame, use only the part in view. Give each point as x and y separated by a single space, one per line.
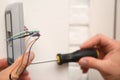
75 56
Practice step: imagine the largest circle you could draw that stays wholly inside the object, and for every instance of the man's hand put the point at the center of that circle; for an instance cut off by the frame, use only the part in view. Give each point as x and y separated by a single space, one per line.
109 62
6 70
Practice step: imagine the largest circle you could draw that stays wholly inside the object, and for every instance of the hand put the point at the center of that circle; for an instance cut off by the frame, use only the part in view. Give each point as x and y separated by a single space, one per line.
109 62
5 70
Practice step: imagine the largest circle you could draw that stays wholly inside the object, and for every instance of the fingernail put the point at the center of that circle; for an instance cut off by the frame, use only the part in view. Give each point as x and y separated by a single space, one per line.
83 62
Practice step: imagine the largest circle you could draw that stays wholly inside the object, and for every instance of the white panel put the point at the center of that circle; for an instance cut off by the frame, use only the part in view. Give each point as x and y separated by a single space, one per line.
78 35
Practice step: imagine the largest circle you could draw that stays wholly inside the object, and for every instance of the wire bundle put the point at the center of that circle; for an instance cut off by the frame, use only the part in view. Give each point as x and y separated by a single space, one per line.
32 35
22 34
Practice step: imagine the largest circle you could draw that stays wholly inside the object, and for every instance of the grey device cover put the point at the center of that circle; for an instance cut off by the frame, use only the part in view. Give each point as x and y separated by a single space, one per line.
14 23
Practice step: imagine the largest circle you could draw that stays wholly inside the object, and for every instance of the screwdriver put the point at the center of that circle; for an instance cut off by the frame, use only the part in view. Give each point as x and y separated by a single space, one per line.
74 56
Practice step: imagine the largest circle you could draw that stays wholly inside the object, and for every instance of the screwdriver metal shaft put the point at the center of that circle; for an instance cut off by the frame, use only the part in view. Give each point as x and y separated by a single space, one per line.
45 61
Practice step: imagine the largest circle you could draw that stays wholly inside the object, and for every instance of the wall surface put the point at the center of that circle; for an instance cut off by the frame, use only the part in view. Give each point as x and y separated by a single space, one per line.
118 21
102 17
50 17
64 25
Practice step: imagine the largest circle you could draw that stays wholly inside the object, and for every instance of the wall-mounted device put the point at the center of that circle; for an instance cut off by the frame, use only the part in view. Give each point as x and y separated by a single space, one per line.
14 23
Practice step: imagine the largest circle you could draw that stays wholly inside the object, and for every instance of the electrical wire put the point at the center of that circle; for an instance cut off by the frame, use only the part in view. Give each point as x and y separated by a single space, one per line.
31 45
22 35
25 52
28 58
30 50
22 57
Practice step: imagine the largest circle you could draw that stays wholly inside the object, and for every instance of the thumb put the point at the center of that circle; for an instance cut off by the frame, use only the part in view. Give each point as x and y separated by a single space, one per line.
3 63
90 62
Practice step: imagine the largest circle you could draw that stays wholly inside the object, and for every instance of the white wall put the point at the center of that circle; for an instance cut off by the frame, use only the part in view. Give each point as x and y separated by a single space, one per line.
51 18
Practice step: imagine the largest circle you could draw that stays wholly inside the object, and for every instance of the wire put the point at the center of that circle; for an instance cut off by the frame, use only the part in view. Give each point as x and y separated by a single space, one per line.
25 52
22 35
31 45
32 42
23 55
30 50
29 54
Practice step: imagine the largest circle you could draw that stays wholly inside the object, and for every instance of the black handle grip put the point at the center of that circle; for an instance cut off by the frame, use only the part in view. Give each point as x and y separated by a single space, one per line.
75 56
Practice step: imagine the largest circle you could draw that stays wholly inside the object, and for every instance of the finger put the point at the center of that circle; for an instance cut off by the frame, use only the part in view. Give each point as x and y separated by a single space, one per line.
84 69
20 64
24 75
90 62
3 63
99 39
25 78
26 61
